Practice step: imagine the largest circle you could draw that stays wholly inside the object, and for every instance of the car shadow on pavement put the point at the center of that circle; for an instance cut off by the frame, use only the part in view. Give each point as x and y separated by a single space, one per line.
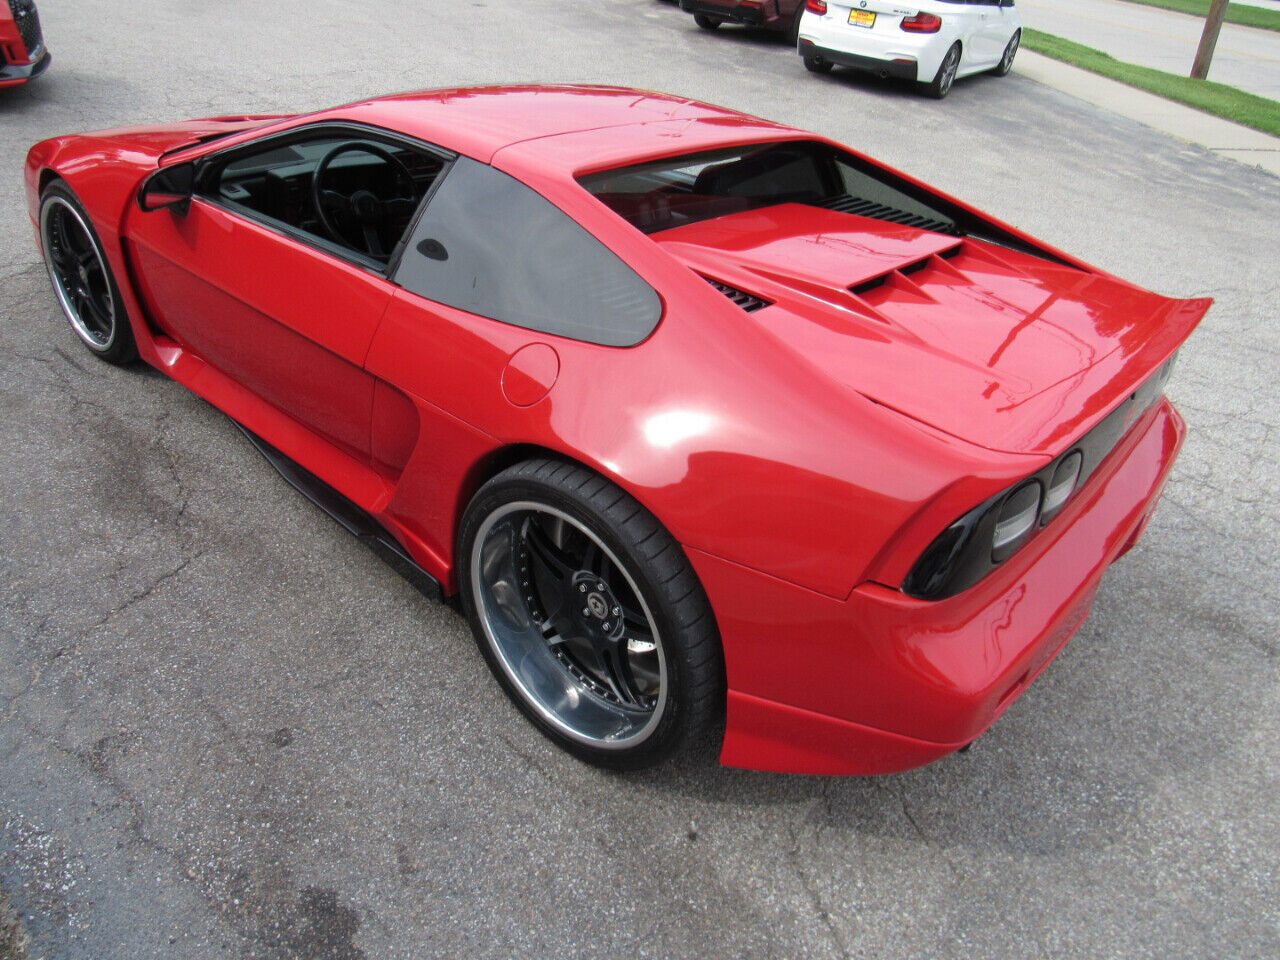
32 95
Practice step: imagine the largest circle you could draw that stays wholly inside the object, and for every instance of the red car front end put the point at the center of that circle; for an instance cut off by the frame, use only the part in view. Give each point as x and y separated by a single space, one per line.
23 54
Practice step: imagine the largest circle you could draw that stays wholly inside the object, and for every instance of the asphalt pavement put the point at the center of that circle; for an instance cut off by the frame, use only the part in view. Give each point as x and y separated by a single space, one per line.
227 730
1247 58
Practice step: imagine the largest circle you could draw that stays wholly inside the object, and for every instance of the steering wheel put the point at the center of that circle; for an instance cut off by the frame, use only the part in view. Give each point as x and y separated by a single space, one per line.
362 205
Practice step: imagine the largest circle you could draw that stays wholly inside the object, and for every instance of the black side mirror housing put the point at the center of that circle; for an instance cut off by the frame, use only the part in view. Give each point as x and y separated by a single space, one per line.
169 188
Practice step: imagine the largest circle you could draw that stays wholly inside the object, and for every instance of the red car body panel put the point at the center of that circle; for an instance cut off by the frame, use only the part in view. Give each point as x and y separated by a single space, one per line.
776 15
805 456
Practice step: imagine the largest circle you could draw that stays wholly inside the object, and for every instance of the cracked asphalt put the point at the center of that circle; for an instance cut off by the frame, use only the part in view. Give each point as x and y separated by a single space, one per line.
228 730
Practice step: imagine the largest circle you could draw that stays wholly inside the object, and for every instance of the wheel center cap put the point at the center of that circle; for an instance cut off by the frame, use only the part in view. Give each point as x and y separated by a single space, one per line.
598 606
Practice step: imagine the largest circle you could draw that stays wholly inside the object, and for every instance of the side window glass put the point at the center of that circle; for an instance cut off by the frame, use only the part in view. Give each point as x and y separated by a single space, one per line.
489 245
354 191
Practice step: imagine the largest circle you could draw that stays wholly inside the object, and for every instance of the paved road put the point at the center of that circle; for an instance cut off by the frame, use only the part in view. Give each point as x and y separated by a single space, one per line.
227 731
1246 58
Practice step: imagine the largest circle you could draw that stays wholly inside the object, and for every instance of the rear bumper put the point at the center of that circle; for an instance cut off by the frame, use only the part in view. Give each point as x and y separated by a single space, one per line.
880 49
880 682
901 68
13 74
730 11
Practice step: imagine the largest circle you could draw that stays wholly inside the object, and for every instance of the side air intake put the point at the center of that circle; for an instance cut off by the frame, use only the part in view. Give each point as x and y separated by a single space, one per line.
746 301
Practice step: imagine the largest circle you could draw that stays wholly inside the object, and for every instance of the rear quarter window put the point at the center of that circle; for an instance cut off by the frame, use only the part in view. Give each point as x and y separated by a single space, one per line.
490 245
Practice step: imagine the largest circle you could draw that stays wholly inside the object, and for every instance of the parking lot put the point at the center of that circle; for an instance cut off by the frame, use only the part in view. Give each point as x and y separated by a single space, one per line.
228 730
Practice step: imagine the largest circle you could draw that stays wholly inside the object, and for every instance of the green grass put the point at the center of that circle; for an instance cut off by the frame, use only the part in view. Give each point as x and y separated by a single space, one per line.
1236 12
1216 98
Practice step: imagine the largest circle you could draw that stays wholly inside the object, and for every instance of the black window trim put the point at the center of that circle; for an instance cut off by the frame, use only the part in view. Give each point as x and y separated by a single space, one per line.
208 166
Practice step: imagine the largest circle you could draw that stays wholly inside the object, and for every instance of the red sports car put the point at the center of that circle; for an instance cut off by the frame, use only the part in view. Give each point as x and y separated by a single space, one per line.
705 418
22 50
780 16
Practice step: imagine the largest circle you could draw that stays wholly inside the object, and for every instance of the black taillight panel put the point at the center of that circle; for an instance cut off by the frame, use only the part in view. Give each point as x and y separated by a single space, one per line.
992 532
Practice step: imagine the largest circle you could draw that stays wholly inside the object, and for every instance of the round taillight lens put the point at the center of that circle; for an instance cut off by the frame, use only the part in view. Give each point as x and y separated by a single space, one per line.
1061 486
1016 521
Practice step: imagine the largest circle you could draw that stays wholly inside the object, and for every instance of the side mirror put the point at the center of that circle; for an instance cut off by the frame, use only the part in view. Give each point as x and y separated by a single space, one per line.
169 188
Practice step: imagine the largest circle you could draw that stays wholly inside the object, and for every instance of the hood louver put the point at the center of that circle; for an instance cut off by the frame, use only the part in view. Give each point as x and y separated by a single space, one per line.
747 301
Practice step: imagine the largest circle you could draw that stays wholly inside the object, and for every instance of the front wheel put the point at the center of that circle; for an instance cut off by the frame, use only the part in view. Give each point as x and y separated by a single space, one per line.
705 22
81 276
589 614
1006 62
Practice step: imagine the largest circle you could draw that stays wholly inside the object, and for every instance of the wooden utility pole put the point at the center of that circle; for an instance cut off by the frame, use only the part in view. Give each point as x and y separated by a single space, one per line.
1209 39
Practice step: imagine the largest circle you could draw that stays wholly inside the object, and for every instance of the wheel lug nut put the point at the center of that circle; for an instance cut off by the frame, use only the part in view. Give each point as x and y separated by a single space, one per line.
582 588
601 587
586 612
606 625
616 611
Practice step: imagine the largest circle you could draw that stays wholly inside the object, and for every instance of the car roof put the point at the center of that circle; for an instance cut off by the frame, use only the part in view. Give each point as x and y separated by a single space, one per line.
480 121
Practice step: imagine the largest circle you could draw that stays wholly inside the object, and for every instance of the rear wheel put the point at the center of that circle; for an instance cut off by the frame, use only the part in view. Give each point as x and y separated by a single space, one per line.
940 86
817 64
589 614
1006 62
81 276
705 22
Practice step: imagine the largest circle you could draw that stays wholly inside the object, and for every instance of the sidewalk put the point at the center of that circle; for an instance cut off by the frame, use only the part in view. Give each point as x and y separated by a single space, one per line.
1223 137
1246 58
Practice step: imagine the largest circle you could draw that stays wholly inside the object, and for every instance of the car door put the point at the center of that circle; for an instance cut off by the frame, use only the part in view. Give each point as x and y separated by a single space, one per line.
989 35
1003 21
252 281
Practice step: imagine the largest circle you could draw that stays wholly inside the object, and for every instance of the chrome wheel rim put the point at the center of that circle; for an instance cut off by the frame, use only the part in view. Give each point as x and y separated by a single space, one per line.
568 626
949 69
78 273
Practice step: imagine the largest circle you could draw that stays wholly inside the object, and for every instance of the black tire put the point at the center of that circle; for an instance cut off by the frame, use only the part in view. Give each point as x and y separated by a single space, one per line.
942 81
817 65
705 22
524 547
1006 62
81 276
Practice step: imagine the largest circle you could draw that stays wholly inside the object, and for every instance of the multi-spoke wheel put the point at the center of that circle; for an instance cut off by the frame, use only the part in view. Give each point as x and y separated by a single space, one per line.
946 75
589 614
81 276
1010 51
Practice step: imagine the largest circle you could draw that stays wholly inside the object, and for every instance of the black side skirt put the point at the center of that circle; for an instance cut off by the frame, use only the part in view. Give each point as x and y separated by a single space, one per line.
357 520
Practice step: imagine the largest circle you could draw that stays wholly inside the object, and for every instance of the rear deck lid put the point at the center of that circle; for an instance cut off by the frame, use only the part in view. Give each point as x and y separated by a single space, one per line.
991 345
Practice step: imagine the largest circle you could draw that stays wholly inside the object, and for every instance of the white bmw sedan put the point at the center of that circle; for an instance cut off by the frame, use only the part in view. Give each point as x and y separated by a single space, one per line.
929 41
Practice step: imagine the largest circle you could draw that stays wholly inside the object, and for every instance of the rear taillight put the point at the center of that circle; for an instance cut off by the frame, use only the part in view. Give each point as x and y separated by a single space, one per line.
816 6
922 23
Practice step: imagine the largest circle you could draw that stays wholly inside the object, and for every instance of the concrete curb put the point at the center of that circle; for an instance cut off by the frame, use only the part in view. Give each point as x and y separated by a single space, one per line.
1226 139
